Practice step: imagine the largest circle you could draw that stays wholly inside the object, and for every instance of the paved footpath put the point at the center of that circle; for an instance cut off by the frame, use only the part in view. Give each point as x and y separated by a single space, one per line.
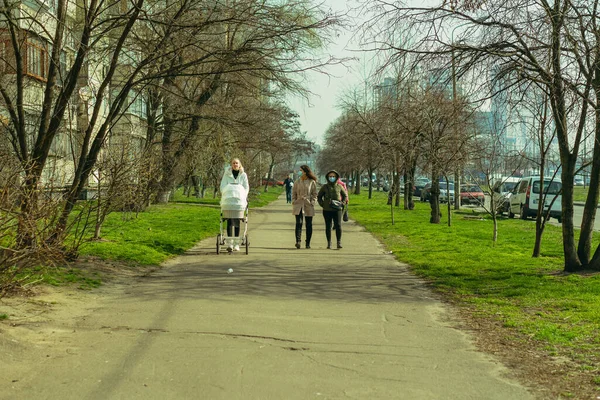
286 324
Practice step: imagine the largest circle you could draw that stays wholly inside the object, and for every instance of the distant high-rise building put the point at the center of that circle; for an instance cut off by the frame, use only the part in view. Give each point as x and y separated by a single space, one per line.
387 90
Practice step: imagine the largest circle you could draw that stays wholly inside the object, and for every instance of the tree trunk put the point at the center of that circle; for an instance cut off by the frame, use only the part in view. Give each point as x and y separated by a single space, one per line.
407 184
559 111
456 190
370 182
584 248
572 262
449 209
356 174
408 190
434 199
26 233
397 189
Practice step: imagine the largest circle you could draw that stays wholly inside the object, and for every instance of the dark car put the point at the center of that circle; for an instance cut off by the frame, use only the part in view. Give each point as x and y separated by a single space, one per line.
425 192
419 185
471 194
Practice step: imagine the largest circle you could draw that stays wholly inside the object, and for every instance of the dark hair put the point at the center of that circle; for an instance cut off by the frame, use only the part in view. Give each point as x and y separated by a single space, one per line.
308 172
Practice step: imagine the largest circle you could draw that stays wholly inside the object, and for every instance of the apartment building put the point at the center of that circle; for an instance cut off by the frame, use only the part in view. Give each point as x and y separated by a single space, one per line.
28 48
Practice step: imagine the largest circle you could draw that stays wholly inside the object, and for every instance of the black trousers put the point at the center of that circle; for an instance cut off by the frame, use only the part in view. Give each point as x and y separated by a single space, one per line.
333 218
299 219
233 225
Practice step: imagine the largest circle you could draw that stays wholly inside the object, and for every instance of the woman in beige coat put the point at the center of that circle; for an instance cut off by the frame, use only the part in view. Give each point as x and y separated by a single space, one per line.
304 197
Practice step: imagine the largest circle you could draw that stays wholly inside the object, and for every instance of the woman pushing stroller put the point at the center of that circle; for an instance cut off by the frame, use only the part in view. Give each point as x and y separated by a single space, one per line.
234 200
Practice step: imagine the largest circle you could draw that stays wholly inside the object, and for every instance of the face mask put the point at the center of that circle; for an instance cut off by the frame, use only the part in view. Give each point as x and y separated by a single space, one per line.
300 173
332 179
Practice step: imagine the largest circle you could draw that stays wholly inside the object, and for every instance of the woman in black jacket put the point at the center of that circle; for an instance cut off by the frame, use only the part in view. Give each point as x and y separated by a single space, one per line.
329 194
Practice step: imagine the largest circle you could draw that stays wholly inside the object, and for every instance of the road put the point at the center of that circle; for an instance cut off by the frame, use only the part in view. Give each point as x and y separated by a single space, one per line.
286 324
577 215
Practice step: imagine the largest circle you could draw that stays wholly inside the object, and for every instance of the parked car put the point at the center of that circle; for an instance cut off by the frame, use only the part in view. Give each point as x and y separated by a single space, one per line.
525 197
403 186
471 194
272 182
419 185
578 181
386 185
424 195
426 192
444 189
502 190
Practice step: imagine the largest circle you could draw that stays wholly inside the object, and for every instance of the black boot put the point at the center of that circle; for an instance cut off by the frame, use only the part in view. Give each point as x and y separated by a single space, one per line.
298 236
329 244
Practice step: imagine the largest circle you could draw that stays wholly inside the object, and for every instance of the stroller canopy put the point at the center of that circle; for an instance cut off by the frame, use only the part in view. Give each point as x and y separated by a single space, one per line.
234 197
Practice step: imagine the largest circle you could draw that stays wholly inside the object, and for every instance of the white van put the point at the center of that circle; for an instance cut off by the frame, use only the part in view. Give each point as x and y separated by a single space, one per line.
502 190
525 196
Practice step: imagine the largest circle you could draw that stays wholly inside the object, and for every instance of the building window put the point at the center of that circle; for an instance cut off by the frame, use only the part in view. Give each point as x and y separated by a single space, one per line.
136 104
36 58
49 4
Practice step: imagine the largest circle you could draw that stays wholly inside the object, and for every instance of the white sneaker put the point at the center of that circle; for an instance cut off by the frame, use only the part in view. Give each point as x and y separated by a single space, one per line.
236 247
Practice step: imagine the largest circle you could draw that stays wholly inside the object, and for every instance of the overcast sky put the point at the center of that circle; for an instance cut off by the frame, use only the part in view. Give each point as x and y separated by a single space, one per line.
320 111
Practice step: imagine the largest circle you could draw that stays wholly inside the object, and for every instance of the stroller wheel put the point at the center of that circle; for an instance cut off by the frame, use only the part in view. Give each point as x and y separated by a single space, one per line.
218 243
247 243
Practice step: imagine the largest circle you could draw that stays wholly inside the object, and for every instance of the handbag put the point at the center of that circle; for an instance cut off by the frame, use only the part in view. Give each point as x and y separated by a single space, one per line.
336 205
345 217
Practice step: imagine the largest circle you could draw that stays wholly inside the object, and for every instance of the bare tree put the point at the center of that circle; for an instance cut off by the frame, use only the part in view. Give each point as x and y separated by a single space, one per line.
96 59
550 44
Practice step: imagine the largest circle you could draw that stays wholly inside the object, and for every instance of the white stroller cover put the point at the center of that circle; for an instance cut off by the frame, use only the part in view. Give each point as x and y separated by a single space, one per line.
234 197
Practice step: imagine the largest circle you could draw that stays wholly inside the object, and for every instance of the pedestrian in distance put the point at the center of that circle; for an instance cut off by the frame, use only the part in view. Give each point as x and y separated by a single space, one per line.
234 175
332 197
304 197
289 184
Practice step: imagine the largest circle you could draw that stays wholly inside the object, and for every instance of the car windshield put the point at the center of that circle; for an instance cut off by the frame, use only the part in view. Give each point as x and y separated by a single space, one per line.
470 189
549 187
509 186
443 186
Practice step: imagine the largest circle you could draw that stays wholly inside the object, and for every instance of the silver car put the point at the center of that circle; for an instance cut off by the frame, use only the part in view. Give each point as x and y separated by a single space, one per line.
444 188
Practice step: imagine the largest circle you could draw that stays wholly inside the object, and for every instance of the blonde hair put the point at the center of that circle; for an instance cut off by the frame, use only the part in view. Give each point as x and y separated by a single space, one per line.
239 161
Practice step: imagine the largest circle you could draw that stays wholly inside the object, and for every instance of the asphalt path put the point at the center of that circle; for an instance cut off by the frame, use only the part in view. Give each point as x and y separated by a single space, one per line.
285 324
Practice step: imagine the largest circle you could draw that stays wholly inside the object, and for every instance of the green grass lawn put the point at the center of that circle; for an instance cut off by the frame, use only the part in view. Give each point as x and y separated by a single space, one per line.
501 281
163 231
179 197
580 193
258 197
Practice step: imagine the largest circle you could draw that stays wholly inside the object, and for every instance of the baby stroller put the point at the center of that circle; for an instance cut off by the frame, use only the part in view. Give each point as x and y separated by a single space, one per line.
234 209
